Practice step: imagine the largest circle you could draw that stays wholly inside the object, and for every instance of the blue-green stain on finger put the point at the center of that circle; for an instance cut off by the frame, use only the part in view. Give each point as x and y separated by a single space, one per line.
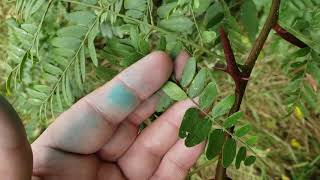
121 97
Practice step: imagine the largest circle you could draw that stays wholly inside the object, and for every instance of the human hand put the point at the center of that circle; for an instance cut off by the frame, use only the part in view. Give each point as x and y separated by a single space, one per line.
98 138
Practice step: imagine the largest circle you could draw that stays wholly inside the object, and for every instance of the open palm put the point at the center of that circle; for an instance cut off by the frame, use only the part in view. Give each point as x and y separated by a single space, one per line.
98 137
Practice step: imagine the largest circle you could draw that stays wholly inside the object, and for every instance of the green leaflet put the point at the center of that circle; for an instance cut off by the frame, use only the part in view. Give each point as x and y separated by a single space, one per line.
200 6
194 128
28 8
106 73
139 5
164 102
174 91
199 133
42 88
76 31
198 83
22 65
209 36
242 131
162 43
215 143
231 120
214 15
30 28
208 95
252 140
36 94
249 18
81 17
189 120
77 75
223 106
164 10
92 50
52 69
249 160
123 53
241 156
188 72
229 152
66 42
177 24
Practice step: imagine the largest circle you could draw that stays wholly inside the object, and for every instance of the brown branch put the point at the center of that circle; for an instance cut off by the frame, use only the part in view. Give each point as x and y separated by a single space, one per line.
258 45
241 78
284 34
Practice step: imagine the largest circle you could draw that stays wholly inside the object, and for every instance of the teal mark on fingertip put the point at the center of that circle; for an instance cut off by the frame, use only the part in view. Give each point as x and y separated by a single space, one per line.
121 97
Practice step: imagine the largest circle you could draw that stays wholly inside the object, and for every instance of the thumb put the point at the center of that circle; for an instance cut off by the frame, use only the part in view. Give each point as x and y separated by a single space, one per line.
15 151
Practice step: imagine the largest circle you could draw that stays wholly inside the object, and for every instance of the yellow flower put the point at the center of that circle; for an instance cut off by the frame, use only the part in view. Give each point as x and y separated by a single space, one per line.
294 143
298 113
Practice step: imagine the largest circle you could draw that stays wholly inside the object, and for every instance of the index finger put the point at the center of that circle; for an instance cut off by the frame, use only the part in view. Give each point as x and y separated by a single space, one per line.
88 125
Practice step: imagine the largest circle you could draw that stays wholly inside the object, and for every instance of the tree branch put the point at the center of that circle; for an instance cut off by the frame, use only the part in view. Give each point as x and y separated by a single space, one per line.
241 78
288 36
258 45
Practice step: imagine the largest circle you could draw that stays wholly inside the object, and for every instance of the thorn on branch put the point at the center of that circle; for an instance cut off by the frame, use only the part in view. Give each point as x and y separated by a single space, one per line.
220 67
284 34
232 68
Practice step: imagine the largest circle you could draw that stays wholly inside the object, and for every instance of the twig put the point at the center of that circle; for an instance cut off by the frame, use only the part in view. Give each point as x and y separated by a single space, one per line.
232 67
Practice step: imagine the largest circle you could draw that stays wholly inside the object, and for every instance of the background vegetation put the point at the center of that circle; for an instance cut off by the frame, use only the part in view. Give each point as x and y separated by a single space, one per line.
288 132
